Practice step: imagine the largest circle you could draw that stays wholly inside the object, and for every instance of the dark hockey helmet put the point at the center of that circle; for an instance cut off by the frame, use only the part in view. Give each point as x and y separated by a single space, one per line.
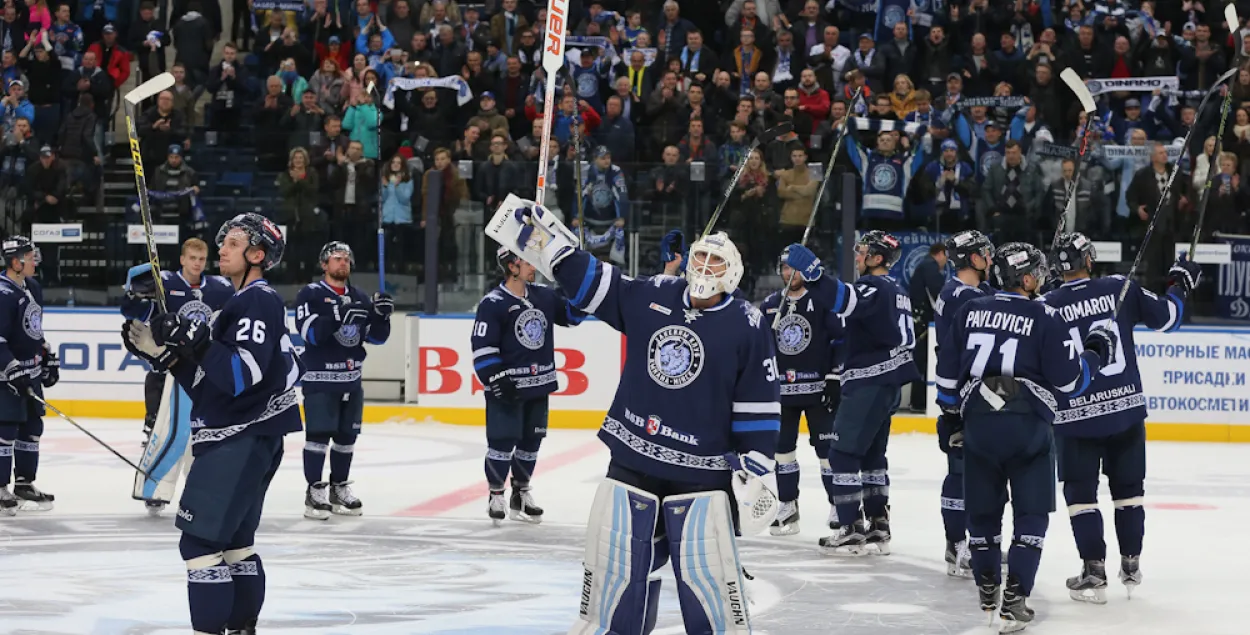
879 243
261 232
961 246
1013 261
1070 251
337 247
505 257
16 247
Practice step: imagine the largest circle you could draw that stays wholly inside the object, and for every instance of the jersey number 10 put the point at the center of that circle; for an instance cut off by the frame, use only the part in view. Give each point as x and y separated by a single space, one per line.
1077 344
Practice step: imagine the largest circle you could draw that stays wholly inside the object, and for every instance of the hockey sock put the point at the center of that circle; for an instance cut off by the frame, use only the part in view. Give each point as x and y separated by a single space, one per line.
985 541
826 478
524 459
1026 549
210 587
249 586
787 477
848 487
876 479
26 449
341 458
1130 521
315 458
498 462
953 515
1086 519
8 433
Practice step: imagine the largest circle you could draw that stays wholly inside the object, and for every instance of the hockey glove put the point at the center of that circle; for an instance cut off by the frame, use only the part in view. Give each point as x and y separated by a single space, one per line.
950 432
354 313
51 369
503 387
17 378
136 308
832 395
804 261
184 336
755 489
137 337
383 304
671 246
1185 274
1102 342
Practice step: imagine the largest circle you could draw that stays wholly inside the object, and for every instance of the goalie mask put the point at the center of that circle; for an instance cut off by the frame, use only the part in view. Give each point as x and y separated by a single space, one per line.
715 266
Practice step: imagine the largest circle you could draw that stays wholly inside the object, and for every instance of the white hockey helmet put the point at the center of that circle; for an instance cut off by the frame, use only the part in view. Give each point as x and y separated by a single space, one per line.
707 278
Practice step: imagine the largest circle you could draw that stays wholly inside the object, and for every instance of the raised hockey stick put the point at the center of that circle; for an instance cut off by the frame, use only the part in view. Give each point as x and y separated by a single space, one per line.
1167 189
85 431
381 185
145 90
1078 87
553 61
820 193
1234 23
768 135
577 163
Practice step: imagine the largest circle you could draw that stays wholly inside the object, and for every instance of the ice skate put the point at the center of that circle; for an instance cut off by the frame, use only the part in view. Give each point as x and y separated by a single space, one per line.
496 508
250 629
317 501
154 507
787 523
878 536
521 505
1015 612
850 540
343 502
1091 585
31 499
958 559
988 594
8 502
1130 573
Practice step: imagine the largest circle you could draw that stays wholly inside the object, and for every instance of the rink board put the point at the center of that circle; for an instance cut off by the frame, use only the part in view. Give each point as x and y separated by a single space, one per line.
1194 380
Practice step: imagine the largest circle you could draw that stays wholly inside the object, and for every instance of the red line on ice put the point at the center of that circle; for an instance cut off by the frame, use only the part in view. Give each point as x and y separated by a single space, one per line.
470 493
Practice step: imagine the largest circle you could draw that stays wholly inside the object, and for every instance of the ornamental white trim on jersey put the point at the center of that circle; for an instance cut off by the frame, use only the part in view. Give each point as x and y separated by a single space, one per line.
894 363
1101 409
803 388
330 376
660 453
533 381
277 405
1043 395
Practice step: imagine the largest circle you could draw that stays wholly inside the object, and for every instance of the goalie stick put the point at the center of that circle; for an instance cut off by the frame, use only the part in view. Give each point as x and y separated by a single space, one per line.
1234 23
145 90
1078 87
553 61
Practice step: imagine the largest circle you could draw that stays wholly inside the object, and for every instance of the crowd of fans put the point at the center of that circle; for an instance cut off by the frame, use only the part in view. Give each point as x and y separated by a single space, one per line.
423 109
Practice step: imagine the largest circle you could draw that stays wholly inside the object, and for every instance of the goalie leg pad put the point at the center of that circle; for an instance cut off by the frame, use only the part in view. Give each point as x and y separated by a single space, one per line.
710 585
166 446
616 595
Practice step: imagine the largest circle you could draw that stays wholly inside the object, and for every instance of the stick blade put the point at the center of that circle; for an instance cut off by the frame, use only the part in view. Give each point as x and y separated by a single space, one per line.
1078 87
149 88
1230 16
781 129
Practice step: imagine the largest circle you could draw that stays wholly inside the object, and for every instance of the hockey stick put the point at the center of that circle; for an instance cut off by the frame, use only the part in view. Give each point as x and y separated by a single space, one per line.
1078 87
1167 190
1234 23
820 193
553 61
577 163
145 90
769 135
381 185
66 417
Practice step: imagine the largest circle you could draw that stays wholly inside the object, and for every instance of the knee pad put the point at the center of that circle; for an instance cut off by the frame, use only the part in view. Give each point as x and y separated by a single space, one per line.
504 445
205 561
238 561
317 444
8 434
1081 496
1030 531
529 445
344 443
1128 495
840 461
30 429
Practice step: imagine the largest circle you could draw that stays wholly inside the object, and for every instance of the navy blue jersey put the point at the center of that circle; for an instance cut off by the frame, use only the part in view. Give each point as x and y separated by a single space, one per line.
953 295
21 324
697 385
1009 335
334 353
1114 401
880 332
805 340
515 334
197 302
245 383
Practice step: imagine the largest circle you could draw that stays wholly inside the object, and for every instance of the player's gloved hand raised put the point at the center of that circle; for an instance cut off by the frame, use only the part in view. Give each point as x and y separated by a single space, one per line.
383 304
755 488
671 246
1185 274
51 369
17 378
805 262
138 339
503 387
1102 341
136 308
184 336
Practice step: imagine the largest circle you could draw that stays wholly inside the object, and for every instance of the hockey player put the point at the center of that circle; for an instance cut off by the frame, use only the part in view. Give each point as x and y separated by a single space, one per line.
879 337
696 413
1001 357
28 366
335 320
805 336
241 379
514 357
188 293
1105 429
971 254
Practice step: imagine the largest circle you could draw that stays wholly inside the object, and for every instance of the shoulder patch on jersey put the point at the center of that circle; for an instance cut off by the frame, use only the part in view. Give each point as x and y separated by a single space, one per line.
531 329
753 314
674 357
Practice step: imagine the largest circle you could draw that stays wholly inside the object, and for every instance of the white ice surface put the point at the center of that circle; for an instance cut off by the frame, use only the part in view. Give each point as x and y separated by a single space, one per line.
428 478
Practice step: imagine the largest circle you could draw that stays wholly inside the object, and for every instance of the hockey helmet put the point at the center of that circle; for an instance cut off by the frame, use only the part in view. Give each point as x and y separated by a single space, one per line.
706 279
961 246
337 247
1070 251
879 243
16 247
1013 261
261 232
505 257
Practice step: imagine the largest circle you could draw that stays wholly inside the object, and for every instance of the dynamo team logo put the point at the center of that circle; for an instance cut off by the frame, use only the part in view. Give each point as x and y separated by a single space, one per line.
988 160
32 321
531 329
674 357
601 195
893 15
884 177
794 333
348 335
1239 309
196 310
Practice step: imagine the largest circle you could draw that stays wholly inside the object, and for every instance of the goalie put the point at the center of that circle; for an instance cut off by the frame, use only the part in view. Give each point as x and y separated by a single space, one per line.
166 426
696 412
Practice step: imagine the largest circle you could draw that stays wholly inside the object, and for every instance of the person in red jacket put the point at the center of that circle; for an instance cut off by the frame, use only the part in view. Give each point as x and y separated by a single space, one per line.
114 59
813 99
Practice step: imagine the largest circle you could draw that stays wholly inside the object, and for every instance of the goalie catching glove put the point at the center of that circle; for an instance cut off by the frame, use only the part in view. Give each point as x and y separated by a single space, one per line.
533 233
755 489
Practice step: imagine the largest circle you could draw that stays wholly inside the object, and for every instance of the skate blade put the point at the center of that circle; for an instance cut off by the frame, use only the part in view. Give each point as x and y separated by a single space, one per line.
791 529
1128 588
524 517
844 551
1011 626
955 571
316 514
155 510
1089 596
879 548
34 506
339 510
498 522
9 511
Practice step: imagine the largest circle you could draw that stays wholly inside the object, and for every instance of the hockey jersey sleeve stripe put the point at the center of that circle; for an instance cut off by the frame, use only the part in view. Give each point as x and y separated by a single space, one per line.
486 363
1078 386
485 350
852 299
605 283
591 268
572 318
759 425
1176 313
944 397
243 359
306 331
757 407
943 382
